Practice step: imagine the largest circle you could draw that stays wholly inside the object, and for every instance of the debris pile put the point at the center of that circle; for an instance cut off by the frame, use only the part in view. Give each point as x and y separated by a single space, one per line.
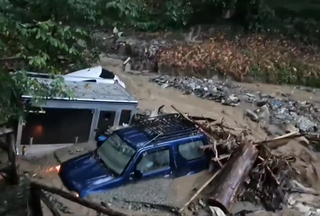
210 89
280 108
246 170
139 56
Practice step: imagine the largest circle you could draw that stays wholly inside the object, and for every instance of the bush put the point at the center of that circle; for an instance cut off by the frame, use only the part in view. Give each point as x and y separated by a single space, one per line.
269 60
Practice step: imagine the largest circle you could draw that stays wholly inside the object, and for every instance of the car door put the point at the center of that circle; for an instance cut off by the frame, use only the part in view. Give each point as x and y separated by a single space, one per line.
155 163
190 158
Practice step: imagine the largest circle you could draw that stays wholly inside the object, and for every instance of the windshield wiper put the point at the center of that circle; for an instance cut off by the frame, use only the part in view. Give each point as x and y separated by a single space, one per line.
97 157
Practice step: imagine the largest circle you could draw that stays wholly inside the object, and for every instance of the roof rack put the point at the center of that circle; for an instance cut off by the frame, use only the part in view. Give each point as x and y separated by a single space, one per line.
166 127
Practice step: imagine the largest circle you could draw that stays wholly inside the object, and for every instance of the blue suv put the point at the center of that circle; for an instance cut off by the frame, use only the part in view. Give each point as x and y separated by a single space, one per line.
165 146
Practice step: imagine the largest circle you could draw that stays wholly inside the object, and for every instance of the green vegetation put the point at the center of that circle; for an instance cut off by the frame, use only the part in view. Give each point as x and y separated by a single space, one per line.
46 35
54 36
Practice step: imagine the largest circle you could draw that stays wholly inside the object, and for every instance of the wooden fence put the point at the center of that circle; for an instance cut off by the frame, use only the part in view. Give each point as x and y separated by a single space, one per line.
37 195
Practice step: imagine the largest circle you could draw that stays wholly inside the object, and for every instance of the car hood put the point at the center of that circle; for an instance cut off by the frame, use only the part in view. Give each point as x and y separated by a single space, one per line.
84 173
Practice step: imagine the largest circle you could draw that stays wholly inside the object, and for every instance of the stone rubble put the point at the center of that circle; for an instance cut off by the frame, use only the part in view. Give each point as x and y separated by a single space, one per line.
275 110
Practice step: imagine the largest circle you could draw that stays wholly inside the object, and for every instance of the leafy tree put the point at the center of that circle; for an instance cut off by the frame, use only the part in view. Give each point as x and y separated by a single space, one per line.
50 37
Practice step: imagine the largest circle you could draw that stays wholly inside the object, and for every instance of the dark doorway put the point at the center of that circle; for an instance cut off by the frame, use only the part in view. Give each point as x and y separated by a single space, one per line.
106 120
125 117
57 126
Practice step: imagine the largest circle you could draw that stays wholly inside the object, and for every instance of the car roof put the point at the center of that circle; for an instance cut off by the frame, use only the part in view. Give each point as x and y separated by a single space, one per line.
158 130
86 79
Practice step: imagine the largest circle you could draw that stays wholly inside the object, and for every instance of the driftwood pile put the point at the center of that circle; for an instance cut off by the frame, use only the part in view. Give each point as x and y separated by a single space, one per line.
246 170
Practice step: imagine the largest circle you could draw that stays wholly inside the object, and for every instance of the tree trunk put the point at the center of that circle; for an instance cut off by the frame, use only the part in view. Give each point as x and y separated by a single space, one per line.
232 177
12 156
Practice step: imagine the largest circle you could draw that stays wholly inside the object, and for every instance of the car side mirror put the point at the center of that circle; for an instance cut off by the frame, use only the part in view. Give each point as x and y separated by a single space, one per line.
101 140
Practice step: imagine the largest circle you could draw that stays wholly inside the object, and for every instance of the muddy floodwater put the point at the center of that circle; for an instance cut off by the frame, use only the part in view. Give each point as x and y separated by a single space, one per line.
165 191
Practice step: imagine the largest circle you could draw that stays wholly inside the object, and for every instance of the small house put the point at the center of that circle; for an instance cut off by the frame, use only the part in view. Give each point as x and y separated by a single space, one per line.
61 122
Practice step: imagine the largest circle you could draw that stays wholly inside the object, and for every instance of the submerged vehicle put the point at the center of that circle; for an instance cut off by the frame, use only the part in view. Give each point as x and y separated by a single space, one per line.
95 74
165 146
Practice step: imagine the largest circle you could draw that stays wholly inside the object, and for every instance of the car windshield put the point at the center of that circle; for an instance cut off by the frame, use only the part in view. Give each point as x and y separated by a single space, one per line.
115 153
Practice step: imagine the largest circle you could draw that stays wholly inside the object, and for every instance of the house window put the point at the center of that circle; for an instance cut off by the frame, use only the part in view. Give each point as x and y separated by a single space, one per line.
125 117
191 150
154 161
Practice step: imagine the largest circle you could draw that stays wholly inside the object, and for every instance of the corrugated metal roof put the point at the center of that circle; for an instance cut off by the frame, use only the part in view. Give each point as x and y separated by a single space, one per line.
87 91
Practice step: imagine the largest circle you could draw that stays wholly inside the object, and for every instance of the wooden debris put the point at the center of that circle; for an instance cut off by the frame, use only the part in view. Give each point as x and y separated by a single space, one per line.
279 141
71 197
199 191
250 169
206 131
47 202
232 177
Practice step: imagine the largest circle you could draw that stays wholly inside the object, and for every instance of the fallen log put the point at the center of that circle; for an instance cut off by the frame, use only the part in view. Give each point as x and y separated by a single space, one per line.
80 201
198 191
206 131
35 202
201 118
46 201
279 141
232 177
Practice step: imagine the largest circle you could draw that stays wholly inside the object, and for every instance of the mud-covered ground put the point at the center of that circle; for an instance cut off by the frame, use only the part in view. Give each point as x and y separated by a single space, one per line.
177 192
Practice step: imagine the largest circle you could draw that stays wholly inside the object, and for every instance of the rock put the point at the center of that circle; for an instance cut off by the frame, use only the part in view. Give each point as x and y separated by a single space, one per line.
306 125
231 100
261 102
252 115
165 85
273 130
301 140
115 30
263 113
202 203
276 109
203 213
290 128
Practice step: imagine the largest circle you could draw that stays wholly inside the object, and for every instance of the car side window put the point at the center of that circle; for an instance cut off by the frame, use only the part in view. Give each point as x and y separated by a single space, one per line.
191 150
106 74
154 161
